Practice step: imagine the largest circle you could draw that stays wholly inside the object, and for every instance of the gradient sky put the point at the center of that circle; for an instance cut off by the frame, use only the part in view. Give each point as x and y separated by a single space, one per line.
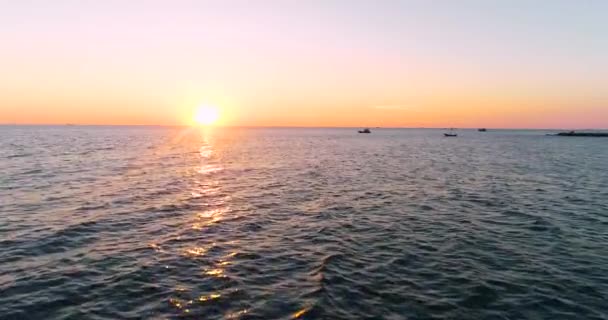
519 64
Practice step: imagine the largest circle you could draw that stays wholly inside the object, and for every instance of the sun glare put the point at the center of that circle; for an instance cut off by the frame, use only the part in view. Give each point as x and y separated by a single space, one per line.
206 115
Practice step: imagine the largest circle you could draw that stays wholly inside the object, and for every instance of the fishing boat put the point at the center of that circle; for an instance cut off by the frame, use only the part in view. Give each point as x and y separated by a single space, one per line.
482 129
450 134
366 130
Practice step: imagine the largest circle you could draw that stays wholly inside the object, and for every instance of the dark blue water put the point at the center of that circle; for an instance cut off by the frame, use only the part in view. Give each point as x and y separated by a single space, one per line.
157 223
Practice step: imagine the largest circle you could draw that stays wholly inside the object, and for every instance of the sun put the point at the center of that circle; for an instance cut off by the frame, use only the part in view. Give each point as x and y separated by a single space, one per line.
206 115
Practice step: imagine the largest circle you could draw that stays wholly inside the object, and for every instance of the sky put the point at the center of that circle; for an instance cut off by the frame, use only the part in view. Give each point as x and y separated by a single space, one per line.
496 64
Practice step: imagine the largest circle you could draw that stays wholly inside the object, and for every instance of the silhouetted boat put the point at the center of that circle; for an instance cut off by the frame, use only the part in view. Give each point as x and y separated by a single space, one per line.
450 135
366 130
482 130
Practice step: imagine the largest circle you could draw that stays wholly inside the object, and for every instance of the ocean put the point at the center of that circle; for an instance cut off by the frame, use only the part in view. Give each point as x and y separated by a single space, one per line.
275 223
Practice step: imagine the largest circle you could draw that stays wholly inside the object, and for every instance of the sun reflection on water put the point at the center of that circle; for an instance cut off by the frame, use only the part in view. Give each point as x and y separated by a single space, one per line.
300 313
237 314
205 150
195 252
156 247
217 272
206 194
214 213
176 303
209 168
207 218
212 296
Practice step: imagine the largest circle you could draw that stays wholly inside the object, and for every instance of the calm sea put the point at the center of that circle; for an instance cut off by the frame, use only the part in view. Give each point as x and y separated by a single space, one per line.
164 223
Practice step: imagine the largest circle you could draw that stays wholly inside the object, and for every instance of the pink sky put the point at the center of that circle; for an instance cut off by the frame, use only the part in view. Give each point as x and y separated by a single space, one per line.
306 63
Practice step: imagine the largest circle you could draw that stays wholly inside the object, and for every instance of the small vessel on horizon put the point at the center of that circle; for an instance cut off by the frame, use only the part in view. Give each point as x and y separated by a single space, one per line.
450 134
482 129
366 130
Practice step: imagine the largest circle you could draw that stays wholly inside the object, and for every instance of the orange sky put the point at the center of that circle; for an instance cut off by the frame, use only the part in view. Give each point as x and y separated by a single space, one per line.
315 63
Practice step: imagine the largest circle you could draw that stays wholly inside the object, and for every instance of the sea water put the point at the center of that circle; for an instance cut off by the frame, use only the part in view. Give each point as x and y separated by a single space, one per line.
263 223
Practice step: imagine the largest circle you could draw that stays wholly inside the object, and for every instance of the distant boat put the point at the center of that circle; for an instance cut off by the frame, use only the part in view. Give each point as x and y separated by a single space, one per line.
450 134
366 130
482 129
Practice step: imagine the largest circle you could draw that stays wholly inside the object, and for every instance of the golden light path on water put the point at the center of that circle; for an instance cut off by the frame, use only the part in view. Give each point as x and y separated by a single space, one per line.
206 190
202 250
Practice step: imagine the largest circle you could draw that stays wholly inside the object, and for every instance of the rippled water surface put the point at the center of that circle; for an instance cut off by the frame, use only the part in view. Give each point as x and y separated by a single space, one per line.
163 223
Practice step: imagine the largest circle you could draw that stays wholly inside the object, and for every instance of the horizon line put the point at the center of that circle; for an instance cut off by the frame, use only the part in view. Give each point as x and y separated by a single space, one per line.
278 126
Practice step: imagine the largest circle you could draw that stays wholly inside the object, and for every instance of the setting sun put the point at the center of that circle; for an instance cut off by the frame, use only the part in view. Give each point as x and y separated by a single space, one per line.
206 115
